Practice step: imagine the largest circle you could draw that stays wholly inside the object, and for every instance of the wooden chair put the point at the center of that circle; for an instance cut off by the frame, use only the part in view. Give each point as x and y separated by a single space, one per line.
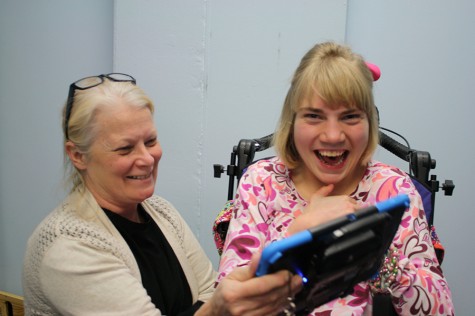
11 304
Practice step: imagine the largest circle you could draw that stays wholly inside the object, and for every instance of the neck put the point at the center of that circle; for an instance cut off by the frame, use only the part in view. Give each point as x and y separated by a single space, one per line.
132 213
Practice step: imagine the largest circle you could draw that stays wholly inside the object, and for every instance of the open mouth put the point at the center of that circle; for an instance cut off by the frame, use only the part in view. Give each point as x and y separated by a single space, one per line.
332 158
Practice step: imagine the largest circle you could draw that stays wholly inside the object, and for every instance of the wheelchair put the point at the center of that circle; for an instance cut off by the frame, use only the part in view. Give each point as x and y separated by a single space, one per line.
420 165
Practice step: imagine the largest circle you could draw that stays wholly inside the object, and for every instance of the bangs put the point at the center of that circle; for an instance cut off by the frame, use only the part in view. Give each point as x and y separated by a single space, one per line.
336 81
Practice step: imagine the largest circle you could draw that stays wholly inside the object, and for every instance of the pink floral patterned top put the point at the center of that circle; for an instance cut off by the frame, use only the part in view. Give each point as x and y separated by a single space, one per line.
267 202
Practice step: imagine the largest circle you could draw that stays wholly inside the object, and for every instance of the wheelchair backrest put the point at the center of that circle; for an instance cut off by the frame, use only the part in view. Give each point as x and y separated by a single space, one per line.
420 164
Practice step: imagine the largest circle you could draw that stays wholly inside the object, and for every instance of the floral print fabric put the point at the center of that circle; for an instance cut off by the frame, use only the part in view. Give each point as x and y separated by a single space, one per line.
267 202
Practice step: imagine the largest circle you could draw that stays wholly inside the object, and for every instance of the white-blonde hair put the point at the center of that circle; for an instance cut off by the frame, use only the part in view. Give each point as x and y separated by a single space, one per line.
82 125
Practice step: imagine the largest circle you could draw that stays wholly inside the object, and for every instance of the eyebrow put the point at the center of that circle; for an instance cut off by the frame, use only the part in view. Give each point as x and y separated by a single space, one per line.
309 108
318 110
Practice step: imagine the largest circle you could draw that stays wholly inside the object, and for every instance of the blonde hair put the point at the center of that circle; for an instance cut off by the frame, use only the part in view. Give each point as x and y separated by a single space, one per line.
82 127
338 76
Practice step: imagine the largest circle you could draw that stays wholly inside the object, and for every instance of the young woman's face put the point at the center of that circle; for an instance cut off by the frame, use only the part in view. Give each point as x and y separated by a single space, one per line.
331 142
121 168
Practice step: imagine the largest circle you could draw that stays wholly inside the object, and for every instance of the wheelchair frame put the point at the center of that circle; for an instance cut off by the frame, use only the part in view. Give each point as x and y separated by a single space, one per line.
420 164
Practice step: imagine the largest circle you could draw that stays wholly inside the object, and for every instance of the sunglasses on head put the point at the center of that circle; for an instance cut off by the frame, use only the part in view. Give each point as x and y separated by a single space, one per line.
87 83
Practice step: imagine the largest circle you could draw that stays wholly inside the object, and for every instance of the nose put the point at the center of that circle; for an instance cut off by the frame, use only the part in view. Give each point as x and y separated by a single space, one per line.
145 156
333 132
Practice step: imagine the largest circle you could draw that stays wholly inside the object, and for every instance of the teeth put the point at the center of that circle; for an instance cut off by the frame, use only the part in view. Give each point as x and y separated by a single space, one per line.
331 157
331 153
139 177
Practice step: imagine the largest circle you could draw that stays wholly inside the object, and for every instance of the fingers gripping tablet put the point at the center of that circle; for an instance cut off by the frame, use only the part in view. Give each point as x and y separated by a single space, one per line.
332 258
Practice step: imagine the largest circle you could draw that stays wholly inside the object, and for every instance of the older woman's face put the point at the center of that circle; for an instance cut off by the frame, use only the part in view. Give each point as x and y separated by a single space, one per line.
331 142
121 169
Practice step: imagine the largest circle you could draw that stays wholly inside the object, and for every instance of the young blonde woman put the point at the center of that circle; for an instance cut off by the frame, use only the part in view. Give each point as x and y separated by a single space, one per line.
327 134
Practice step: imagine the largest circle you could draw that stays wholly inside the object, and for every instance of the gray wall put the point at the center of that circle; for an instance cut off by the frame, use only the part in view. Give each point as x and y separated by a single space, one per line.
425 50
44 45
218 71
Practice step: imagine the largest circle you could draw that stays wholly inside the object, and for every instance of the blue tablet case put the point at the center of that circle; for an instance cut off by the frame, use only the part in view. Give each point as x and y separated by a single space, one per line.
332 258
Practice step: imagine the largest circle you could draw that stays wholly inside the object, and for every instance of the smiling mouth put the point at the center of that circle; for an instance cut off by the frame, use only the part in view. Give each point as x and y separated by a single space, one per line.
332 158
140 177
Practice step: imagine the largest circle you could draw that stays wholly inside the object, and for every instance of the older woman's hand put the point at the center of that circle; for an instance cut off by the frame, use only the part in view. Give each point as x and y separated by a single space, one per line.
241 293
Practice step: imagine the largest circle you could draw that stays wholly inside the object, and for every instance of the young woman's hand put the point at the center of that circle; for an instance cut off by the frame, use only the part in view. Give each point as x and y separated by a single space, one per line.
321 209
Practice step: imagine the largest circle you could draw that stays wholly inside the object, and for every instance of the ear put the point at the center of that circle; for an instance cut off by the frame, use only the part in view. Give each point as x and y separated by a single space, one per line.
77 158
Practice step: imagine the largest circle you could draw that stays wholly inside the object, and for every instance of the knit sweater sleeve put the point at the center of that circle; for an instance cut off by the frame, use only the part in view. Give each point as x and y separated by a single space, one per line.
76 269
92 281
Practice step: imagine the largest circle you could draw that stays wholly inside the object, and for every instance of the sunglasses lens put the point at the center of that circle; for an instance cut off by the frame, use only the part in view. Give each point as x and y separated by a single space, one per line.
88 82
120 77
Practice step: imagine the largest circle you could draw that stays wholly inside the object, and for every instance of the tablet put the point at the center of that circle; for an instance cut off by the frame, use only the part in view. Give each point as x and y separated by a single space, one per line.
332 258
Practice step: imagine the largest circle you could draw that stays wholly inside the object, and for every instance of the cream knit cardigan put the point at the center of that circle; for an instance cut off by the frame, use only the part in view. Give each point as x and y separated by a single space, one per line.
77 263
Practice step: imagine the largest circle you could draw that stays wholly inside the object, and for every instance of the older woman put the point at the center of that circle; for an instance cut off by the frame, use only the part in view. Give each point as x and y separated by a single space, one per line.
112 246
325 140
